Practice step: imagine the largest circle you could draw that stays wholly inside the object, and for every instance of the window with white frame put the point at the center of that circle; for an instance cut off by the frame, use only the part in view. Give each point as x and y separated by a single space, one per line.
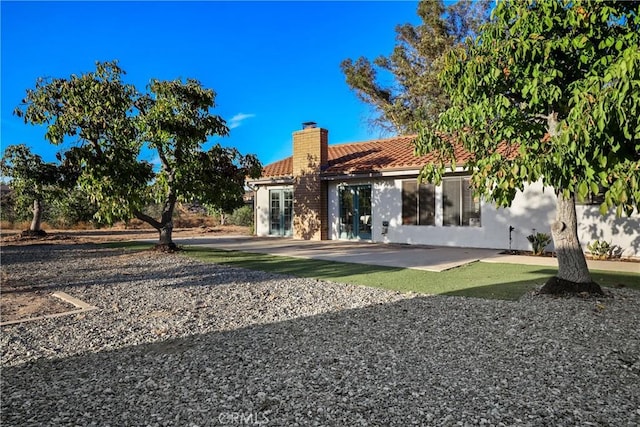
418 203
459 206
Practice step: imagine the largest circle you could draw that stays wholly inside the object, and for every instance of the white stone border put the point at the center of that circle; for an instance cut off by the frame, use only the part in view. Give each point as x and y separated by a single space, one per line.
82 307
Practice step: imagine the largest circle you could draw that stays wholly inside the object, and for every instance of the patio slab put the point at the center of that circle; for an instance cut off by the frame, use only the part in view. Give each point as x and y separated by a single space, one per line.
419 257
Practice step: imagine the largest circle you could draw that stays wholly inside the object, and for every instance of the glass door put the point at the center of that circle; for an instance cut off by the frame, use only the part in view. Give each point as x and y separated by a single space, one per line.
363 200
346 213
355 212
280 212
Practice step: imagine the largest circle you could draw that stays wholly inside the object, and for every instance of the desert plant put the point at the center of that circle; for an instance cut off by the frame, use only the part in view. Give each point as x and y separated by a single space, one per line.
603 249
539 241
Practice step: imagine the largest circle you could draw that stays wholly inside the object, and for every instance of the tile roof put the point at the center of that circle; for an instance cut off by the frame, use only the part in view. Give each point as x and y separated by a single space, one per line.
370 156
282 167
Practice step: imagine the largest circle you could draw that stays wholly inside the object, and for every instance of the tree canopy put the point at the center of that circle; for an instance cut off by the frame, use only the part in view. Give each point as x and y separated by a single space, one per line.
96 109
414 94
34 181
559 81
112 123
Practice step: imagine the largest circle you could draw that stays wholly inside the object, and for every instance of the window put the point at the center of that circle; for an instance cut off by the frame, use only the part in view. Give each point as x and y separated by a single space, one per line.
418 203
459 207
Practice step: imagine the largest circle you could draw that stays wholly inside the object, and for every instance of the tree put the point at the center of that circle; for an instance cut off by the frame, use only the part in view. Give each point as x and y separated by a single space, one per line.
176 122
113 122
415 94
32 180
559 82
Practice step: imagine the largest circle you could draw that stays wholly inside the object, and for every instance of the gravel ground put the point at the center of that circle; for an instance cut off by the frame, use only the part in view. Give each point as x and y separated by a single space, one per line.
179 342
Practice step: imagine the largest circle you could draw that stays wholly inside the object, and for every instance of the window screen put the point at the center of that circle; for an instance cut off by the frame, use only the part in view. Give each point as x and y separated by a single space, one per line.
418 203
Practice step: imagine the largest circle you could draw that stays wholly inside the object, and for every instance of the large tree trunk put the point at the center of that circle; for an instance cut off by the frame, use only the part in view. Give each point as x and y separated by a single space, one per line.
573 273
36 222
166 239
164 226
35 229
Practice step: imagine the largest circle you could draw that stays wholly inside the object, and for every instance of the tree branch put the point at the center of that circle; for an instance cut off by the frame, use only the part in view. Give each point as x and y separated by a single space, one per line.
163 159
149 220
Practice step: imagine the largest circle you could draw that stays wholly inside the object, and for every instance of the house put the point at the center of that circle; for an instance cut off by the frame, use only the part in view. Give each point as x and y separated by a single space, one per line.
369 191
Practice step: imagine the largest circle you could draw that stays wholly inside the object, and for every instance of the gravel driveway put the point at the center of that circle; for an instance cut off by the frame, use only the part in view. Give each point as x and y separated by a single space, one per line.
179 342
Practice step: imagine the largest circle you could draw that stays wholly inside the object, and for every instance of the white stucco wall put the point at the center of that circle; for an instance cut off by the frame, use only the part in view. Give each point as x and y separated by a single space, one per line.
532 209
623 231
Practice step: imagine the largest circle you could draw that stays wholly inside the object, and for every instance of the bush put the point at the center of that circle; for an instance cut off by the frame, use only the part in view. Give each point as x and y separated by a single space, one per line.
72 209
604 250
242 216
539 241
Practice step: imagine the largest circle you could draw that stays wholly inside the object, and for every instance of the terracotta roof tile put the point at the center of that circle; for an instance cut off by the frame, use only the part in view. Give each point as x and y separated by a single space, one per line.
282 167
372 156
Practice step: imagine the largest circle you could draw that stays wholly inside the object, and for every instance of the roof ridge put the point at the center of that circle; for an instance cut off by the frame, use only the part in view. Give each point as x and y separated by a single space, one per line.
374 140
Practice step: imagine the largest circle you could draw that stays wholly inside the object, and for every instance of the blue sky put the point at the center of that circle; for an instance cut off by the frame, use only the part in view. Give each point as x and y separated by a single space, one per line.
273 65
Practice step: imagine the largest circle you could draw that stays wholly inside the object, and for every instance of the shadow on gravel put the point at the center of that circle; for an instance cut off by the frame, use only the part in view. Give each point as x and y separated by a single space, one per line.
416 361
509 290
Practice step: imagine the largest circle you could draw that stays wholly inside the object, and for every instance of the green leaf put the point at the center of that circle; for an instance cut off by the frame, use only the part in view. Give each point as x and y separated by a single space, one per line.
583 190
580 42
601 122
602 161
619 45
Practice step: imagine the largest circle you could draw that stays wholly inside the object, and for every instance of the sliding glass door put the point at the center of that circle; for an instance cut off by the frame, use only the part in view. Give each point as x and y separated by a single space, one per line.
355 212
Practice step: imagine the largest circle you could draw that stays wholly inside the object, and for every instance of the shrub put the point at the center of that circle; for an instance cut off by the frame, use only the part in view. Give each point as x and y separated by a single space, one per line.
72 209
242 216
603 249
539 241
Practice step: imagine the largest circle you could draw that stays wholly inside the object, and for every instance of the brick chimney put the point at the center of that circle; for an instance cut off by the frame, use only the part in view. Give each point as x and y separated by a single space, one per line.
310 148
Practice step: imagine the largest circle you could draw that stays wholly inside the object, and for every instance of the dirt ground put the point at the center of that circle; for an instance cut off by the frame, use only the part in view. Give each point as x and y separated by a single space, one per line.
22 301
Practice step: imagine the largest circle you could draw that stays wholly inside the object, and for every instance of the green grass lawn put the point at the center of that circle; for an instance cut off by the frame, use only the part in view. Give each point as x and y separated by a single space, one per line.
480 280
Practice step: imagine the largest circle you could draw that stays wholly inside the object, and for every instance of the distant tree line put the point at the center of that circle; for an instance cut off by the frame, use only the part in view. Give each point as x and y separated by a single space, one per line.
74 210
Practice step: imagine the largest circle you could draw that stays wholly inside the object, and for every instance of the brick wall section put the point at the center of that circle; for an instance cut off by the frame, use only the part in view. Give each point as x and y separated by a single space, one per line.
310 147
